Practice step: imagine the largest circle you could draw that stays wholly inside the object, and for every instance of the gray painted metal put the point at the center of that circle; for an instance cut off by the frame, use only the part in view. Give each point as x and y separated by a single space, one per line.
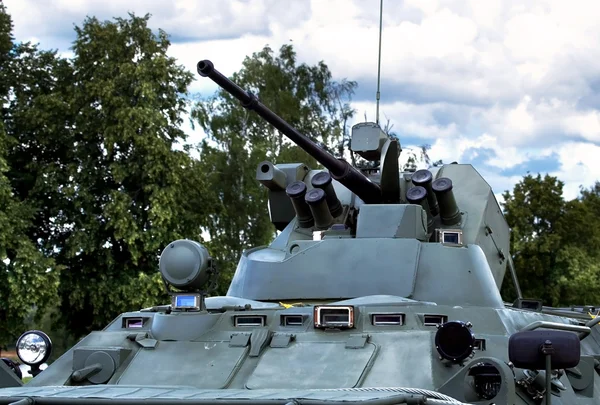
7 377
392 278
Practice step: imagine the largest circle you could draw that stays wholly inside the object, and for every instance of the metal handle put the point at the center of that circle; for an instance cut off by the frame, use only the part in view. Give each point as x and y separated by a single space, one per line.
583 331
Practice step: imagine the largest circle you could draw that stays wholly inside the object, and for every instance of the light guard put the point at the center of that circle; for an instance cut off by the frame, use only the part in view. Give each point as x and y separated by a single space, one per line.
134 323
339 317
256 321
387 319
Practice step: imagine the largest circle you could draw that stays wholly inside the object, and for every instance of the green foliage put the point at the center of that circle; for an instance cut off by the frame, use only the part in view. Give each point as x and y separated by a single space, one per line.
131 193
533 212
6 44
554 243
28 278
578 277
92 186
578 260
582 219
238 140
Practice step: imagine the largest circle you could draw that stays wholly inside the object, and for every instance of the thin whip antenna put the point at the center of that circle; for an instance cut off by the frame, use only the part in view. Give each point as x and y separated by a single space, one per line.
379 60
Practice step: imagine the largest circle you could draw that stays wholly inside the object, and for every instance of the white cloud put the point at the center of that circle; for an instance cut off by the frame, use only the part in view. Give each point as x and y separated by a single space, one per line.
553 119
416 120
227 56
579 166
518 81
586 124
192 20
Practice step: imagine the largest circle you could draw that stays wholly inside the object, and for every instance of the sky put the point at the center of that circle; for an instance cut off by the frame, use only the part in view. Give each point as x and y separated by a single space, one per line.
511 87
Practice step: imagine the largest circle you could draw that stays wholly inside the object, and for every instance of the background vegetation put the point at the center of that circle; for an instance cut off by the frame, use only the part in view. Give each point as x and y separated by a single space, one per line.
96 177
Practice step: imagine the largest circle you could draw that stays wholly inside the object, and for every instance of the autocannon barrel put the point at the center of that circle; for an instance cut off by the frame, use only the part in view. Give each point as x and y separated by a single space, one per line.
340 170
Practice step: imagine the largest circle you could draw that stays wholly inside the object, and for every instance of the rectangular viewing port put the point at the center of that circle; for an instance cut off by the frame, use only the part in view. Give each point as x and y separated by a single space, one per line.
479 344
433 320
250 320
292 320
387 319
133 323
334 317
450 236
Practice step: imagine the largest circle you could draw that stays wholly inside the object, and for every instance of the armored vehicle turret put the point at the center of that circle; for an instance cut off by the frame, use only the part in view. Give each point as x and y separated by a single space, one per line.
382 287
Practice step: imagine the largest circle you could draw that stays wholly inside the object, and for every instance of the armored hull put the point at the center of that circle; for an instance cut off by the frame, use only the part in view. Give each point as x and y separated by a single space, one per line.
276 353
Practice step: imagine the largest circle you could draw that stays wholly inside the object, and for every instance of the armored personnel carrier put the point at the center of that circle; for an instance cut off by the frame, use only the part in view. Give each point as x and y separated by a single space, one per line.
381 288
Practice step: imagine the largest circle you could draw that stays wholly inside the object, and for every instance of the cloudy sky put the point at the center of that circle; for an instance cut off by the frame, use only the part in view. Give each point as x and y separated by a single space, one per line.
508 86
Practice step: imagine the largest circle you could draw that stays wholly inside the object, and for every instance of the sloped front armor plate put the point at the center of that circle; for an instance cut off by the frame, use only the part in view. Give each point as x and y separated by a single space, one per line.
311 366
207 364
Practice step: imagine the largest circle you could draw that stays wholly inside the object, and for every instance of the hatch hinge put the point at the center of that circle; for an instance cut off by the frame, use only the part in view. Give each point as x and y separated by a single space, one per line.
357 341
281 340
143 340
239 340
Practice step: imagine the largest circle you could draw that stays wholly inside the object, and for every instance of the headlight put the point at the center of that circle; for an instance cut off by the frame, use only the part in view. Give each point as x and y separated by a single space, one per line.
454 341
34 347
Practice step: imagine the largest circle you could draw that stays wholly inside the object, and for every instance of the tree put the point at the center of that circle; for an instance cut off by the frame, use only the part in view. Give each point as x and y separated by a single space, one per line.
581 222
238 140
130 192
420 158
578 276
28 278
533 213
578 260
554 243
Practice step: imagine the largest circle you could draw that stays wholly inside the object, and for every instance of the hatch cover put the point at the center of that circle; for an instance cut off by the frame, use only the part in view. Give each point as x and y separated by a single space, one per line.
311 366
197 364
